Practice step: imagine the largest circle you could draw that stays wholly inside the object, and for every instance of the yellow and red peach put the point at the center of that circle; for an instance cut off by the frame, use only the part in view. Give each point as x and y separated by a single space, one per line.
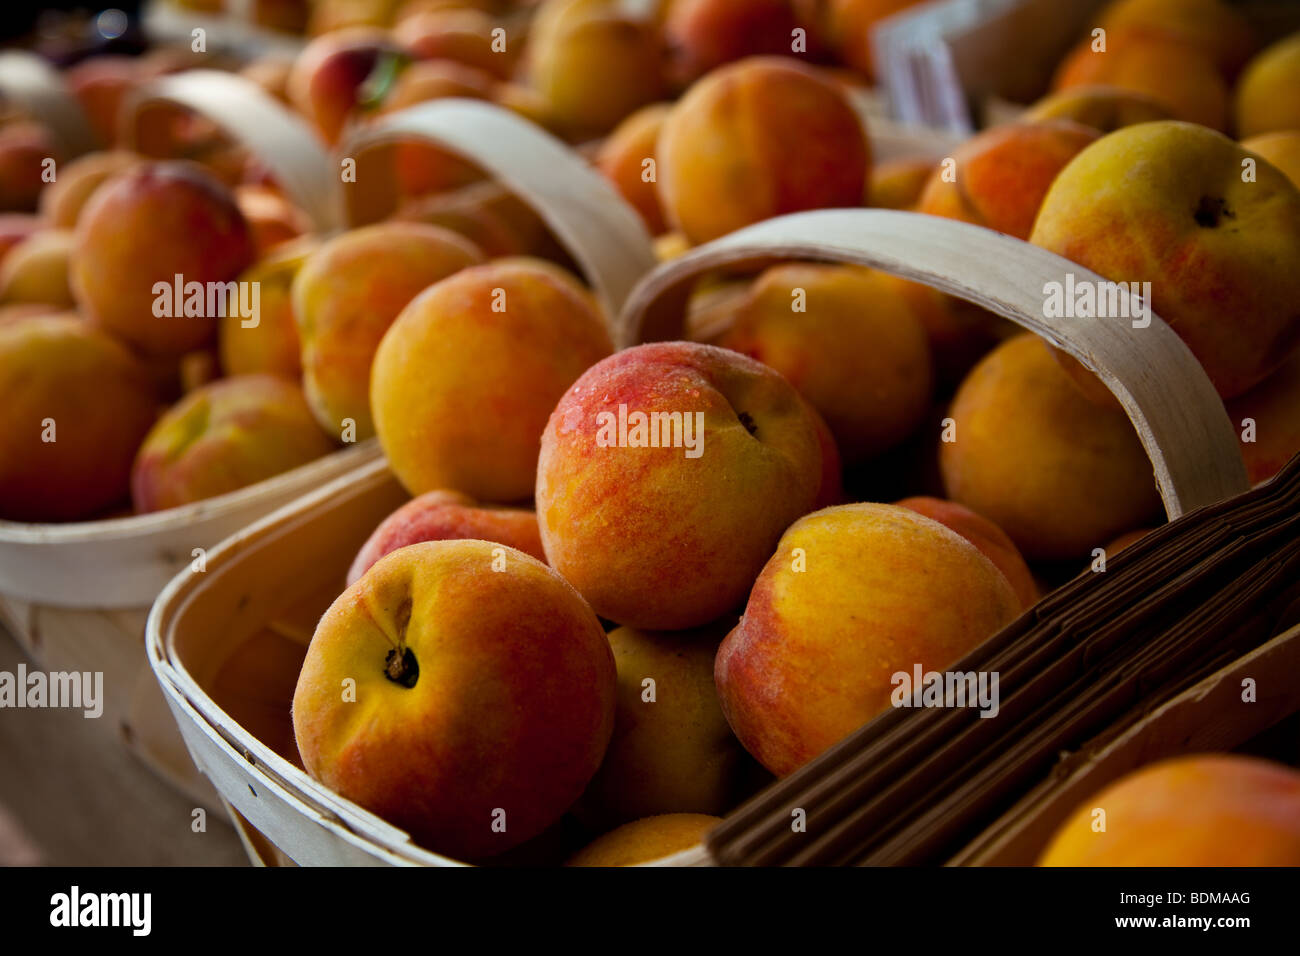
75 405
328 80
897 183
436 79
464 380
850 24
1281 148
61 203
101 85
272 219
36 270
1100 107
627 159
701 35
667 529
16 227
851 597
1265 98
26 150
460 35
269 345
484 699
645 841
224 436
1211 26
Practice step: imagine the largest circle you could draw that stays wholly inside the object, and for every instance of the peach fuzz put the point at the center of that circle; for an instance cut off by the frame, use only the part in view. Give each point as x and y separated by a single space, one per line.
1281 148
672 753
724 154
477 692
327 80
1166 203
444 516
1176 75
223 436
851 596
1266 98
1199 810
1274 407
627 158
36 270
985 535
701 35
63 200
146 226
271 346
345 297
466 377
647 840
1103 108
57 372
1211 26
897 183
1056 472
855 351
652 537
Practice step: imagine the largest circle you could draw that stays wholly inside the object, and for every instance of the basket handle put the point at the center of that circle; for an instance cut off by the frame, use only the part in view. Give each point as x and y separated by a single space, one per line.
33 86
595 224
1178 415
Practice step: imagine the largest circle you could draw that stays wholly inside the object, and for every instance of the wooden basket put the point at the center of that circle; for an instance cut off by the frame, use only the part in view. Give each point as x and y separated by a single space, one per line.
261 595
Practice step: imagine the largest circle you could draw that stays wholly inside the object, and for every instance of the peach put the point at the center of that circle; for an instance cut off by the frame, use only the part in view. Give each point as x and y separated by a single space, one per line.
846 339
1054 471
271 73
1126 540
851 23
75 406
328 79
271 345
224 436
701 35
985 535
627 159
1265 98
101 84
1281 148
61 203
1165 203
525 101
713 306
463 36
725 158
444 516
852 596
1178 76
141 230
435 79
421 168
197 369
37 270
897 183
272 219
1103 108
672 751
645 841
464 380
592 38
25 148
15 227
345 297
959 332
475 212
1274 407
1198 810
1211 26
484 698
667 474
1002 174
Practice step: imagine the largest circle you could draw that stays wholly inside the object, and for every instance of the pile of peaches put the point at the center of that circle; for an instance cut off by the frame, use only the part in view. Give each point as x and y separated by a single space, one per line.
631 586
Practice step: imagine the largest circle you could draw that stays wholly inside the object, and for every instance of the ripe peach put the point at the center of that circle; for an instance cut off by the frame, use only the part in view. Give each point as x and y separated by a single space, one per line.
463 36
224 436
725 156
1274 407
271 73
345 297
422 168
483 213
272 219
672 751
667 474
37 270
1201 810
851 22
853 349
436 79
77 181
593 39
141 230
101 84
852 596
1166 203
645 841
75 405
328 79
897 183
1178 76
623 160
1265 97
701 35
1281 148
1002 175
271 345
1211 26
24 149
1103 108
15 227
448 515
484 699
1127 539
464 380
1054 471
986 536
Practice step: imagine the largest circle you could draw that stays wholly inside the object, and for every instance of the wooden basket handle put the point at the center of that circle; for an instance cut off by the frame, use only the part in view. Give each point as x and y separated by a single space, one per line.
252 117
595 224
33 86
1179 417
